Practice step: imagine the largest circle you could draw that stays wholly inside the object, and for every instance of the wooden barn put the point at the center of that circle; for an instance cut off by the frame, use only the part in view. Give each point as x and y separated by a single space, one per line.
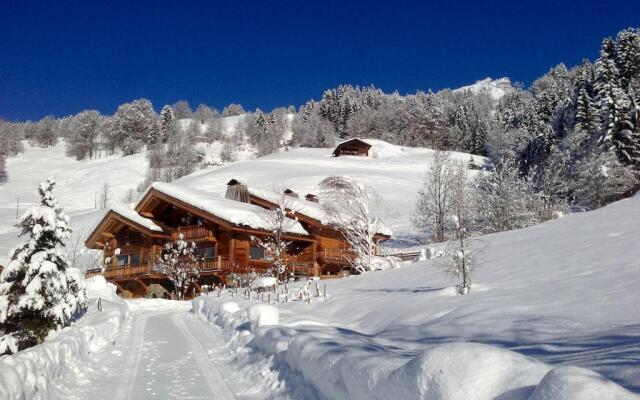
352 147
224 230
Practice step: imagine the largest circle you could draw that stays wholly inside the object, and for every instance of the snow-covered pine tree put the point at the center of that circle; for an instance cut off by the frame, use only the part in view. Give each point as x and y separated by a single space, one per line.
627 140
39 291
586 118
612 100
179 262
3 171
627 49
166 122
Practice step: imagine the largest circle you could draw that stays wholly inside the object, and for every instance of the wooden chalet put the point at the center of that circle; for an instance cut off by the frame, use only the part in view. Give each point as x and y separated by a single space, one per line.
224 230
352 147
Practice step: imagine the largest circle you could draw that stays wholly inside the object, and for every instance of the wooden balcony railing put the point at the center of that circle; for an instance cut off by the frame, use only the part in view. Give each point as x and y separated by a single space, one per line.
219 264
192 233
337 255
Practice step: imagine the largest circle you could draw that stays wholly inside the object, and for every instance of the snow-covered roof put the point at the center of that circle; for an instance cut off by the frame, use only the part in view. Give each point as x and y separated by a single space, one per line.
305 207
353 139
235 212
132 215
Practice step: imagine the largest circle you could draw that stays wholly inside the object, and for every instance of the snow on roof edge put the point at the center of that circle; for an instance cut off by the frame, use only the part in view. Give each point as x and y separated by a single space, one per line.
132 215
234 212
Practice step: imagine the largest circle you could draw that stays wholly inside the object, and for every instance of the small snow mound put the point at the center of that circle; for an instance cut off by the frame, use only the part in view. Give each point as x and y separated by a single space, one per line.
262 315
464 371
228 307
225 310
98 287
264 282
381 149
573 383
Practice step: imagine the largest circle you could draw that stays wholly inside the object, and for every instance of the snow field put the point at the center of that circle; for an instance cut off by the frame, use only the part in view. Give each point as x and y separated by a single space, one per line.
339 366
550 315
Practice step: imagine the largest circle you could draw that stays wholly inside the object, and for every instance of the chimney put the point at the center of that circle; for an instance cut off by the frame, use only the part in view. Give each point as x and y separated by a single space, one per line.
290 193
312 198
237 191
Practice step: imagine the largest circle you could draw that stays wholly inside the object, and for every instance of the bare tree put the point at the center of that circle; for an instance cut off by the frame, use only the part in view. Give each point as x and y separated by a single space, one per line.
461 262
350 207
278 222
179 262
105 196
505 200
434 197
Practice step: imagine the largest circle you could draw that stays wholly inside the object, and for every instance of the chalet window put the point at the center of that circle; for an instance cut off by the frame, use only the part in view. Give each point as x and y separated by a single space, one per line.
206 253
122 260
134 259
256 253
129 259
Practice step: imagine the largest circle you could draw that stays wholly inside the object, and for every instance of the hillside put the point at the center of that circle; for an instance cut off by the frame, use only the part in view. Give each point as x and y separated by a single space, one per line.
79 184
394 172
547 293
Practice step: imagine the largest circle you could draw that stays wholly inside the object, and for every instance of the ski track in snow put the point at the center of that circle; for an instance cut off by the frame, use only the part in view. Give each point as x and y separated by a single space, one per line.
156 356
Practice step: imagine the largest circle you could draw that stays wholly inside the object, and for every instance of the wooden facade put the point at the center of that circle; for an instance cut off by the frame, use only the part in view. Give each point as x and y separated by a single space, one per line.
225 249
352 147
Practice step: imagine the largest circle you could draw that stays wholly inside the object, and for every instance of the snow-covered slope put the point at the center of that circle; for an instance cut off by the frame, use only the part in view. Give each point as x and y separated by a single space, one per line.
78 186
560 294
395 172
496 88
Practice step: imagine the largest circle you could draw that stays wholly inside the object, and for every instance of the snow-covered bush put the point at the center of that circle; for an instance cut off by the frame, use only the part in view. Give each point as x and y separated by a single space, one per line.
39 291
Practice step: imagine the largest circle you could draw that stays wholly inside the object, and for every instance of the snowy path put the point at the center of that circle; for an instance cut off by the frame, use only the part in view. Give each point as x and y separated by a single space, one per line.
172 363
160 354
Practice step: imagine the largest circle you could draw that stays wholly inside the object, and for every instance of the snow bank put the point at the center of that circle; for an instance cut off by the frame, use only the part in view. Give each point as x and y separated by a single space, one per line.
341 363
262 315
27 374
573 383
264 282
452 371
461 371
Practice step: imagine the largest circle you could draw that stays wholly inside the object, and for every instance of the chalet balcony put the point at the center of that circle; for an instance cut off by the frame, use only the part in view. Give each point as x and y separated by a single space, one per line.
219 264
193 233
338 256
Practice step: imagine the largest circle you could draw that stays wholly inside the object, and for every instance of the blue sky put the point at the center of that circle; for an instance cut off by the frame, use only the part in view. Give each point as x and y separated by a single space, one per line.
63 57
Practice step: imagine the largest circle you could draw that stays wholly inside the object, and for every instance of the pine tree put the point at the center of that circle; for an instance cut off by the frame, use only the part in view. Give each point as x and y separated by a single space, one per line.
586 113
627 140
39 291
166 122
613 101
627 50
